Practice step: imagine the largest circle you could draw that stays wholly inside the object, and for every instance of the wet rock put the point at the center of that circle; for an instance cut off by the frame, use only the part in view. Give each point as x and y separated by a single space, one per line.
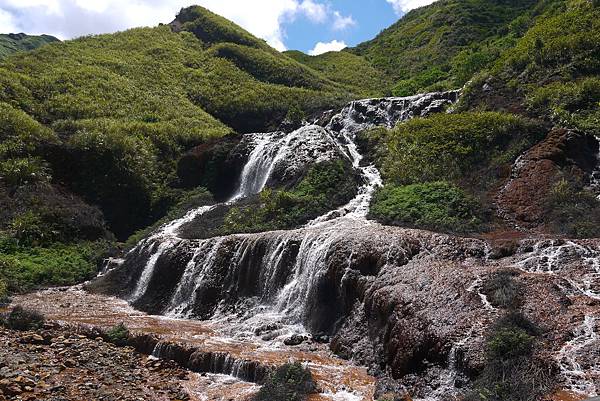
295 340
321 338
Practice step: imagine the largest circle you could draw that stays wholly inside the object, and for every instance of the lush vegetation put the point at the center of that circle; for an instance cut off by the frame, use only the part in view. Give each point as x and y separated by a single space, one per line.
26 267
16 42
349 69
326 186
437 169
552 69
444 44
452 146
438 206
289 382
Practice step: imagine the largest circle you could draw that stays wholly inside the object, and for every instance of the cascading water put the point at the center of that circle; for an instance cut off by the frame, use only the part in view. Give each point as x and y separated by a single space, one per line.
555 257
279 294
287 154
581 380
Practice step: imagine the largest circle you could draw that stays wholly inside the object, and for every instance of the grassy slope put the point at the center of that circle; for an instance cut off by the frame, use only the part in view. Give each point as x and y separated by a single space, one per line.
12 43
423 44
348 69
549 74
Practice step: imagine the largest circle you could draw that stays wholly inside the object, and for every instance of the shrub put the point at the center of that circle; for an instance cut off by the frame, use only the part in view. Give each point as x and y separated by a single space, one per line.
3 292
436 206
29 229
512 371
24 319
118 334
116 172
452 146
326 185
17 172
290 382
24 268
502 290
20 134
570 104
573 211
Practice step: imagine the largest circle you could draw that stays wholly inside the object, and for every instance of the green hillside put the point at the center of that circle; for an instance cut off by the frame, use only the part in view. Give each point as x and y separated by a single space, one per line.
16 42
348 69
442 45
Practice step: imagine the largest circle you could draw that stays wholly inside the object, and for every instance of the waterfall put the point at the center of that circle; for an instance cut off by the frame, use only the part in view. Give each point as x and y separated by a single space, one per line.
293 261
556 256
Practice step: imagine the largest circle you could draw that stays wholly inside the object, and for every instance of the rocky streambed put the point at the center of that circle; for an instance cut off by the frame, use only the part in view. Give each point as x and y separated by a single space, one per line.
202 347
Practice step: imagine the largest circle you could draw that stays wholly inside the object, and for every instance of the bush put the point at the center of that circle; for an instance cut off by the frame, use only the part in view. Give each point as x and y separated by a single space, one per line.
24 319
3 292
118 334
290 382
17 172
29 229
326 185
437 206
453 146
24 268
20 134
512 371
573 211
502 290
569 104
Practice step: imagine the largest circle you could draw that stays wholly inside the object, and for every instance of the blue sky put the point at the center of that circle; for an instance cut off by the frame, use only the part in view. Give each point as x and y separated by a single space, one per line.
313 26
369 18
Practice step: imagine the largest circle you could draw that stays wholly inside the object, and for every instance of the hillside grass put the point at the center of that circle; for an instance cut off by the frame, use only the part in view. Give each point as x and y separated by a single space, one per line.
13 43
551 71
349 69
444 44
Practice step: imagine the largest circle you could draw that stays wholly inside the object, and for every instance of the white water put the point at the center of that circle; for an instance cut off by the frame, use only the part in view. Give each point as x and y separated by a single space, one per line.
284 155
586 339
550 257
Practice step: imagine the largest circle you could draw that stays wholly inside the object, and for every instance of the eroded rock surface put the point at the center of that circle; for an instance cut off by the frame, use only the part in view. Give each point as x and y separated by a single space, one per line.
534 174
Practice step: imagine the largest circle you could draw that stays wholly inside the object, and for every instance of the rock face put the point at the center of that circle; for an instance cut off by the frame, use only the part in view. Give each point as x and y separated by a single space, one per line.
523 198
215 165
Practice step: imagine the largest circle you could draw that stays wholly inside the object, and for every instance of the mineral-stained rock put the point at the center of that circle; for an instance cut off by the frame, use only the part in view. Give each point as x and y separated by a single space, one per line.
523 198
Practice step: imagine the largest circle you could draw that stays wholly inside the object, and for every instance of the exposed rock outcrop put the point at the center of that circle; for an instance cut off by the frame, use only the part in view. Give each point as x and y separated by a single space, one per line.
523 198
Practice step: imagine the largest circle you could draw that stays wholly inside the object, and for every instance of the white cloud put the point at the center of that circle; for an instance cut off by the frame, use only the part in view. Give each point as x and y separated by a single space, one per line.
316 12
340 22
67 19
403 6
332 46
7 23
